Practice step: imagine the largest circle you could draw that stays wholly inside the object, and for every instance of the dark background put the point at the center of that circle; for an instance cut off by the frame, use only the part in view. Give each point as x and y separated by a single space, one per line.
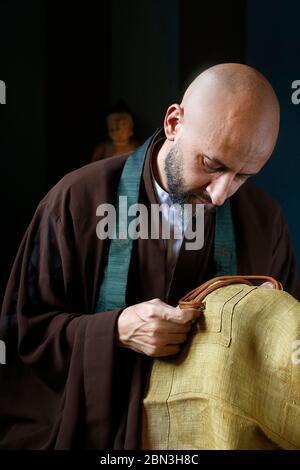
66 63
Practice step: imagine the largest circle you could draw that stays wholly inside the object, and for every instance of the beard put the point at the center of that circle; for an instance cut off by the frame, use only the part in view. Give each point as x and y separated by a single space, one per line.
178 192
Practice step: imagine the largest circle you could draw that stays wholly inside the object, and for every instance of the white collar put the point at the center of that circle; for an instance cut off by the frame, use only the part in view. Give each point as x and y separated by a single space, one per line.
162 195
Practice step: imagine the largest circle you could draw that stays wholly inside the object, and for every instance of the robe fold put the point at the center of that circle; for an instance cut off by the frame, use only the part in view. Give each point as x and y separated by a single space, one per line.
66 384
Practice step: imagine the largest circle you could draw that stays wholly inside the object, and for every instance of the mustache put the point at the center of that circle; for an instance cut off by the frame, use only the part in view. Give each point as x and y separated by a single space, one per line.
204 196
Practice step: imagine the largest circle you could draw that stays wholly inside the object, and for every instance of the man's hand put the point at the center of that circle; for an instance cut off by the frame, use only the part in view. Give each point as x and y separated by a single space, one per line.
155 328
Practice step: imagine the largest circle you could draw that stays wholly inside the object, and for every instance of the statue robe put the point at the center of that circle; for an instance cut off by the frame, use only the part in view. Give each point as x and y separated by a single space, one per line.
66 384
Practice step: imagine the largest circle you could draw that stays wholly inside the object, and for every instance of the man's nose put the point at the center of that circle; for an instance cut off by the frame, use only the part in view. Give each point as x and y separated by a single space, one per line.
219 188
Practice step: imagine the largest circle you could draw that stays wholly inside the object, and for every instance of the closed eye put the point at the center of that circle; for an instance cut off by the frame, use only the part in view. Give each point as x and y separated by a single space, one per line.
210 168
242 177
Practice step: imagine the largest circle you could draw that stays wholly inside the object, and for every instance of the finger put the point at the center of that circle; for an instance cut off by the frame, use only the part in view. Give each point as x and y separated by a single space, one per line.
174 338
168 350
161 340
158 309
181 317
155 308
188 314
159 327
267 285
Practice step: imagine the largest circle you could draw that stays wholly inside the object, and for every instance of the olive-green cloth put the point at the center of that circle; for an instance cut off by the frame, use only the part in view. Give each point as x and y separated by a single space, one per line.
234 385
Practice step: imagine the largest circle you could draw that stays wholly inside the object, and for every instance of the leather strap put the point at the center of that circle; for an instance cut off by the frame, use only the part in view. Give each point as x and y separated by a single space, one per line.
194 298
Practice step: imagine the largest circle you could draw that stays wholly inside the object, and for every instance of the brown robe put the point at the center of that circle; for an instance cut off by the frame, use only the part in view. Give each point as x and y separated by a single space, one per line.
66 384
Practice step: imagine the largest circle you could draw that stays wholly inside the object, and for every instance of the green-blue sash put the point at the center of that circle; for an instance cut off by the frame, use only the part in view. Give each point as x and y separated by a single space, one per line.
112 294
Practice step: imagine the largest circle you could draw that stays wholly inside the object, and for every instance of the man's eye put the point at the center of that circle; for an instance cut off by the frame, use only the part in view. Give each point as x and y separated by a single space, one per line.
207 165
213 170
241 177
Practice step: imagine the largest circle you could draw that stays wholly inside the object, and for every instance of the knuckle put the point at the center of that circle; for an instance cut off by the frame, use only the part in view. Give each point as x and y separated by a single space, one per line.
181 320
153 351
152 341
155 329
151 312
164 316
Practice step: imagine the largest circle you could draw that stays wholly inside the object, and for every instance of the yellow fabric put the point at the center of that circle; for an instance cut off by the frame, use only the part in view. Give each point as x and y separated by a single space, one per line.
234 384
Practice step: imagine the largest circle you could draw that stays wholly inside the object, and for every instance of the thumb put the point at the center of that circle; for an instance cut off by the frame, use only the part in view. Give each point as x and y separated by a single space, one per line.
266 285
190 313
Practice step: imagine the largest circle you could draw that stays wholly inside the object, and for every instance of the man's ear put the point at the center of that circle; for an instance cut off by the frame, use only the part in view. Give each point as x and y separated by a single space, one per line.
173 121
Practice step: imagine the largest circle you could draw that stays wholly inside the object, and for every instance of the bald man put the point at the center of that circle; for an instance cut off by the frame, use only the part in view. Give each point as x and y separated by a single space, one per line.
84 314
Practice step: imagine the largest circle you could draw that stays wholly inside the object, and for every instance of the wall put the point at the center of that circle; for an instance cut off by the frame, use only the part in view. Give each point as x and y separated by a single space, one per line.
22 128
273 46
144 58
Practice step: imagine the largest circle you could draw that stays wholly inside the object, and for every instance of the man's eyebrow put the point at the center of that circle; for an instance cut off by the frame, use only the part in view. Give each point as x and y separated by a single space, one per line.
224 167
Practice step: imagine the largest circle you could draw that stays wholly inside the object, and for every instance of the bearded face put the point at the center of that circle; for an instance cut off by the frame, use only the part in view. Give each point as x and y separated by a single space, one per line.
177 185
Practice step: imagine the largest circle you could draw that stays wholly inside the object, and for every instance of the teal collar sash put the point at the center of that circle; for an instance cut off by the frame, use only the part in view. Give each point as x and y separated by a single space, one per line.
112 294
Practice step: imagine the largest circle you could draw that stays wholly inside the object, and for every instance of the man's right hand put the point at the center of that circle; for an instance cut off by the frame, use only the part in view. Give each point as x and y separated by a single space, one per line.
154 328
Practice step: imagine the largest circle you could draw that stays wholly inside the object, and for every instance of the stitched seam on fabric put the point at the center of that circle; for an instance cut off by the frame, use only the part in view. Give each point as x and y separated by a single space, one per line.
235 305
221 313
223 336
168 410
228 301
227 310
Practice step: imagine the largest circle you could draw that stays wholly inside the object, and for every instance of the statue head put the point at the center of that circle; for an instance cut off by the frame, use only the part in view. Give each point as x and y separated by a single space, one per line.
120 127
120 123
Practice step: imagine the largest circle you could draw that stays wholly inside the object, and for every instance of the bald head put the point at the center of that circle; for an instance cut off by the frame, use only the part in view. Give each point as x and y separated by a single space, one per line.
236 88
236 98
228 120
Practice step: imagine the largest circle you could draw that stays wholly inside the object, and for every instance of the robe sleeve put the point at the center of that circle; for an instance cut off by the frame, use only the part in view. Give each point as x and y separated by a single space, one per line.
284 266
72 353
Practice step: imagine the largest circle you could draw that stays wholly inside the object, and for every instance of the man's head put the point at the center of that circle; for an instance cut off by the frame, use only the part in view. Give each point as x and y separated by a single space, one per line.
223 132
